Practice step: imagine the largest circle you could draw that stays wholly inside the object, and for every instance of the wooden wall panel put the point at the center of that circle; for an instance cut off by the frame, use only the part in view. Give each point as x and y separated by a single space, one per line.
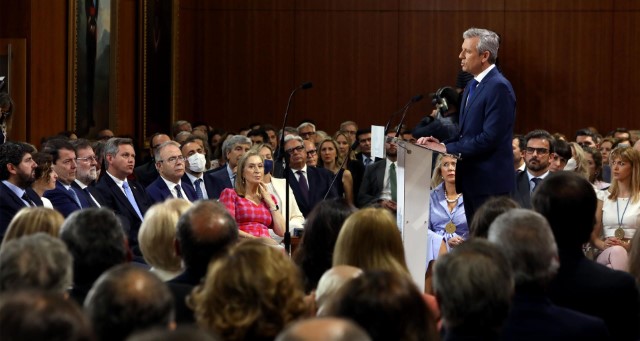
559 65
622 100
126 88
14 18
558 5
453 5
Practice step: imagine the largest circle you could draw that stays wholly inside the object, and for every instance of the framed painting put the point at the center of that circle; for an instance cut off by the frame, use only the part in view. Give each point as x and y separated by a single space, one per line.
91 77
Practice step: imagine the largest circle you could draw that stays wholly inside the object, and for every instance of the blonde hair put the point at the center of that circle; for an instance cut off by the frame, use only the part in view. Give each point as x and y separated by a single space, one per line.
240 186
632 156
337 161
370 240
351 153
582 165
31 220
436 178
157 233
250 294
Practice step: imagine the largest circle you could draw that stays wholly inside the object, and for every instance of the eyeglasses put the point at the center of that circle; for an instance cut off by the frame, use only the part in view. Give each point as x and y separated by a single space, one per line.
540 151
173 159
87 159
307 134
312 152
290 151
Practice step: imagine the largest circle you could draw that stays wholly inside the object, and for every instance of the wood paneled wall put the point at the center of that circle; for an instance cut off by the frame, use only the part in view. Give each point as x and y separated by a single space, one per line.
571 62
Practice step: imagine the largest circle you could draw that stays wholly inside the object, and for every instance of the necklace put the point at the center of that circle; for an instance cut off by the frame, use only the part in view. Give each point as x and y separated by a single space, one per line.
446 196
619 232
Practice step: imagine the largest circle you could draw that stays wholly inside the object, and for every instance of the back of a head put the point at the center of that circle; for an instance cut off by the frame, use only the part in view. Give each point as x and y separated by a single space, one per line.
205 232
473 284
96 240
487 213
525 238
386 305
331 282
370 239
325 329
181 333
38 262
126 299
38 315
568 201
30 220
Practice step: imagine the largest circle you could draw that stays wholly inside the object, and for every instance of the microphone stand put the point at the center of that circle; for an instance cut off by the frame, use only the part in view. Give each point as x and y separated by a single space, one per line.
413 100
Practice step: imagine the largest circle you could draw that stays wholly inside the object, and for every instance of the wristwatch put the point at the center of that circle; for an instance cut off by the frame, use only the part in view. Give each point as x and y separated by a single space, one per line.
274 209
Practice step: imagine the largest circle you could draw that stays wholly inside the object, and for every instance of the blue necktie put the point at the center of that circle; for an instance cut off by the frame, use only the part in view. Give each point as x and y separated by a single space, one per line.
304 187
472 88
536 181
131 198
75 197
198 189
179 192
26 198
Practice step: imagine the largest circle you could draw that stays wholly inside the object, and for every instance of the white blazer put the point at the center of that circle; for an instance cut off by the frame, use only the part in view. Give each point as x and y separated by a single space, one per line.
296 219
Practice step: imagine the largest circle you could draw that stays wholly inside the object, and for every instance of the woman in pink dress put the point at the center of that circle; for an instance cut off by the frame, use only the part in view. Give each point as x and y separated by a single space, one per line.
250 203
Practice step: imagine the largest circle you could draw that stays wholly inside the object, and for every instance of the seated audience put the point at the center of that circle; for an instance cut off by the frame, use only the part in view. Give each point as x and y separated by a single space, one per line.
387 306
233 148
606 145
181 333
126 299
568 202
561 155
39 315
171 167
45 177
330 160
578 161
594 163
30 220
474 286
315 251
253 293
537 158
487 213
525 238
35 262
329 284
326 329
346 151
157 235
250 203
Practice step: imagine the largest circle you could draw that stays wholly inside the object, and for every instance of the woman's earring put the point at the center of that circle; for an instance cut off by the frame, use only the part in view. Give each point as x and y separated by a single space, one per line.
243 181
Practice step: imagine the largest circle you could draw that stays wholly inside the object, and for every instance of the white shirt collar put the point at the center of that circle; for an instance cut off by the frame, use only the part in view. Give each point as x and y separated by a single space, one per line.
482 74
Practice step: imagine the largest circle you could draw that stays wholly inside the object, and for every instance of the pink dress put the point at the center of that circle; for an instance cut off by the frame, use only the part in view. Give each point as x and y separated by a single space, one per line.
250 217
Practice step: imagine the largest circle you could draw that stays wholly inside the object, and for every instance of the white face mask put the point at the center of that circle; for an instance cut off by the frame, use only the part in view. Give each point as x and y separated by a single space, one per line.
197 162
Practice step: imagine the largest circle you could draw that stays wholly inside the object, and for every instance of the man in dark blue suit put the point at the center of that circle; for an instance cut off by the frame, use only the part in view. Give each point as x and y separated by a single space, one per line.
487 115
309 184
526 239
126 198
195 165
569 203
170 164
376 182
16 173
538 150
65 198
232 149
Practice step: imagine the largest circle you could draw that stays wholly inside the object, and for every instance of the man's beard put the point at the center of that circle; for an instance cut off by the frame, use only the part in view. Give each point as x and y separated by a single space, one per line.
25 180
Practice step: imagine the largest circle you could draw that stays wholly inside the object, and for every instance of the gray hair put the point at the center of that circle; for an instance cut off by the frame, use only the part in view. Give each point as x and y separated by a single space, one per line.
525 238
473 284
229 143
293 137
111 147
306 124
488 41
162 146
37 261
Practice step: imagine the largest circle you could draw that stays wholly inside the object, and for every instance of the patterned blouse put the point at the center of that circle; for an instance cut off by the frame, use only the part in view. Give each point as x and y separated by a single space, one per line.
251 218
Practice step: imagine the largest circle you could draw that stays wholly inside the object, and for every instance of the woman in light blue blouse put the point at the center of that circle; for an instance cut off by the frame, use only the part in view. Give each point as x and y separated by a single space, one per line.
447 223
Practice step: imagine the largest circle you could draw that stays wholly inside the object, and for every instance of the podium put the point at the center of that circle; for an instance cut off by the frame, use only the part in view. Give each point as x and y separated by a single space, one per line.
413 189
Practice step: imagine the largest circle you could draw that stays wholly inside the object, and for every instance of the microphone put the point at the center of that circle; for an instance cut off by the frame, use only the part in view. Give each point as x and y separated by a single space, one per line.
351 148
306 85
412 101
303 86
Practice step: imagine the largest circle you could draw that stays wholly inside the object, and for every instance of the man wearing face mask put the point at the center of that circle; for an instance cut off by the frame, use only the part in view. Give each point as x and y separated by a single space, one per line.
195 163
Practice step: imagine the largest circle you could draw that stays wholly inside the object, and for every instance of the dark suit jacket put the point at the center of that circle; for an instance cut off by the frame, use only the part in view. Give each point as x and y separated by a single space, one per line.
64 202
93 192
319 180
522 191
10 204
533 317
159 192
596 290
115 199
484 142
146 173
208 183
360 157
220 180
372 183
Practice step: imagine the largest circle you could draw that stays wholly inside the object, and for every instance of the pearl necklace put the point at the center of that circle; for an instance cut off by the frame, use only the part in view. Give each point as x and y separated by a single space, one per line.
446 196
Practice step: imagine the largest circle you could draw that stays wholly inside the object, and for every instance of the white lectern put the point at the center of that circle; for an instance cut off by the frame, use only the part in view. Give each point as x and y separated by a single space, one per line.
414 178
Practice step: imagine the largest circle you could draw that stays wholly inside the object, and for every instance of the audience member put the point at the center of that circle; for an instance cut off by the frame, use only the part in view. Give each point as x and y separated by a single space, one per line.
181 333
526 240
39 315
568 201
346 151
171 167
31 220
195 166
258 136
35 262
96 241
363 136
180 126
6 109
594 163
487 213
387 306
442 123
45 177
253 293
126 299
16 174
578 162
272 132
379 183
585 137
474 286
326 329
307 131
315 251
623 136
312 153
330 283
561 155
86 173
233 149
105 134
605 148
518 144
147 173
157 235
350 128
537 157
330 160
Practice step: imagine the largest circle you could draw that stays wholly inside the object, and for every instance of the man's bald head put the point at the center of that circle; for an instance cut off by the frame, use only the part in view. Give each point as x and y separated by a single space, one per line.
332 280
324 329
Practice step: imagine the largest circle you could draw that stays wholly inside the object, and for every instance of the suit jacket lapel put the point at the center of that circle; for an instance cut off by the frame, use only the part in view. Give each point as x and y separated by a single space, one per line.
119 195
380 175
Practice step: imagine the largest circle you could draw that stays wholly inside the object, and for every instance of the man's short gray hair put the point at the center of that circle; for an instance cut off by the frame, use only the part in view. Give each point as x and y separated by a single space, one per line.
293 137
306 124
37 261
488 41
112 145
525 238
229 143
163 146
